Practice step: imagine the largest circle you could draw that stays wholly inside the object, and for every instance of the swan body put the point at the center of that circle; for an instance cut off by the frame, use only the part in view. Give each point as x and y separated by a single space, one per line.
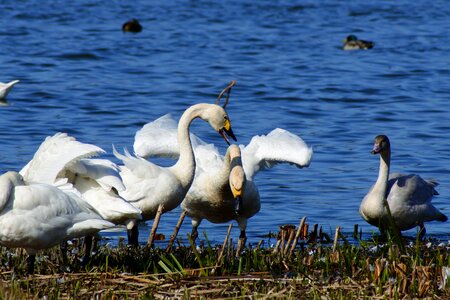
210 196
351 42
37 216
149 185
409 196
5 88
61 159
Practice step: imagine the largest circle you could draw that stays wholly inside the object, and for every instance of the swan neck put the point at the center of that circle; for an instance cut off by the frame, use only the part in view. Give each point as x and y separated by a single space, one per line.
185 167
383 174
225 171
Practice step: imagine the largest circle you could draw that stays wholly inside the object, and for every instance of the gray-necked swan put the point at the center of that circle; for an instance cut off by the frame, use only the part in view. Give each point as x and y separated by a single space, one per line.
409 196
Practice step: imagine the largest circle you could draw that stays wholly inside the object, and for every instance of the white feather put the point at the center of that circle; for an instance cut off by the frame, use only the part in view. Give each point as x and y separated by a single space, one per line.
37 216
5 88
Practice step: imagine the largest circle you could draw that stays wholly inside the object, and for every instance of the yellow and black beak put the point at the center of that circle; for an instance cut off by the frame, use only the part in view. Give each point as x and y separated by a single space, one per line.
238 204
226 130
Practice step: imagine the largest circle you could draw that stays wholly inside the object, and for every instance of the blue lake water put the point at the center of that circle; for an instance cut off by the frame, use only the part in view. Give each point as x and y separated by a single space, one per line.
81 74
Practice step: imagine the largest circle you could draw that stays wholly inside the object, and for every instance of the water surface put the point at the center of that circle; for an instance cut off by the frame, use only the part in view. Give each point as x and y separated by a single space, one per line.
82 75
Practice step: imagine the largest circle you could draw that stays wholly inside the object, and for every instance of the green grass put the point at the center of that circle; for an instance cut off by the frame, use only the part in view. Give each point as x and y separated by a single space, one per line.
314 270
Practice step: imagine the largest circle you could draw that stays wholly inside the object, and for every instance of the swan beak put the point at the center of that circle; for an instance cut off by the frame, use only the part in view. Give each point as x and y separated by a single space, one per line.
228 131
376 149
238 205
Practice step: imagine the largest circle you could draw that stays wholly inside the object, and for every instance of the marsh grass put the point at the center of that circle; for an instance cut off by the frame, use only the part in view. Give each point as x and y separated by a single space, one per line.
316 268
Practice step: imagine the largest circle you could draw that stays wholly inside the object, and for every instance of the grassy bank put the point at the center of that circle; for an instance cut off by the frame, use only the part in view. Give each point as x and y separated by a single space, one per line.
314 269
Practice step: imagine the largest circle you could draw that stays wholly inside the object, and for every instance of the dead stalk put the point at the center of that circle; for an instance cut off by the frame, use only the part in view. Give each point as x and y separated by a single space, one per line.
219 259
336 238
297 235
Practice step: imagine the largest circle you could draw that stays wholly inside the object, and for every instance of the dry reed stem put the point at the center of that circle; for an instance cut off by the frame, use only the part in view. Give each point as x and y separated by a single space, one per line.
219 259
297 235
336 239
283 240
291 237
275 250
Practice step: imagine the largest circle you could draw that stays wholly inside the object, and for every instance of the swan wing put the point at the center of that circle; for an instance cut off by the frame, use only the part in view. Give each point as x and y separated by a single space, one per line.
138 175
279 146
160 139
54 155
102 171
207 158
86 227
106 202
410 189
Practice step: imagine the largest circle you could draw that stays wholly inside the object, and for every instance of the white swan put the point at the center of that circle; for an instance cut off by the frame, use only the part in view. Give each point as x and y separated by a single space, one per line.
149 185
210 196
37 216
5 88
61 159
409 196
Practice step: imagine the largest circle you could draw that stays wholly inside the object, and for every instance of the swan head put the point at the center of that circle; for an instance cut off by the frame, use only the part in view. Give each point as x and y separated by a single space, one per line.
382 145
236 178
218 118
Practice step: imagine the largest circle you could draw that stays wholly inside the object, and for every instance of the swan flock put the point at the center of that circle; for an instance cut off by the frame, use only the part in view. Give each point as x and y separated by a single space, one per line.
68 190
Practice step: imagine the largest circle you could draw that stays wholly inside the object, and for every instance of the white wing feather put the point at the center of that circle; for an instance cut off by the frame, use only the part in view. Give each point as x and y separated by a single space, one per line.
54 155
102 171
279 146
159 139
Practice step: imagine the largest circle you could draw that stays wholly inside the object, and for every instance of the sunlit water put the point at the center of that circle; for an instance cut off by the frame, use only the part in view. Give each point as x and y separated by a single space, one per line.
82 75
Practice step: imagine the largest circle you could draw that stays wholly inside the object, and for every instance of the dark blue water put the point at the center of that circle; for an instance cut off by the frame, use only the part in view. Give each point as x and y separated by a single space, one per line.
82 75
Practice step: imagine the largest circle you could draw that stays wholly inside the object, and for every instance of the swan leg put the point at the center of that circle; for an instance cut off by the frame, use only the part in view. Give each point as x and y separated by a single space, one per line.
133 235
30 263
87 249
241 242
194 233
242 223
63 248
422 231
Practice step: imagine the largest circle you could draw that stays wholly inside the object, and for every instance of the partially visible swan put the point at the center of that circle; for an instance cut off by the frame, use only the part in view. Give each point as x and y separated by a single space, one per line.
37 216
5 88
149 185
210 196
61 159
409 196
